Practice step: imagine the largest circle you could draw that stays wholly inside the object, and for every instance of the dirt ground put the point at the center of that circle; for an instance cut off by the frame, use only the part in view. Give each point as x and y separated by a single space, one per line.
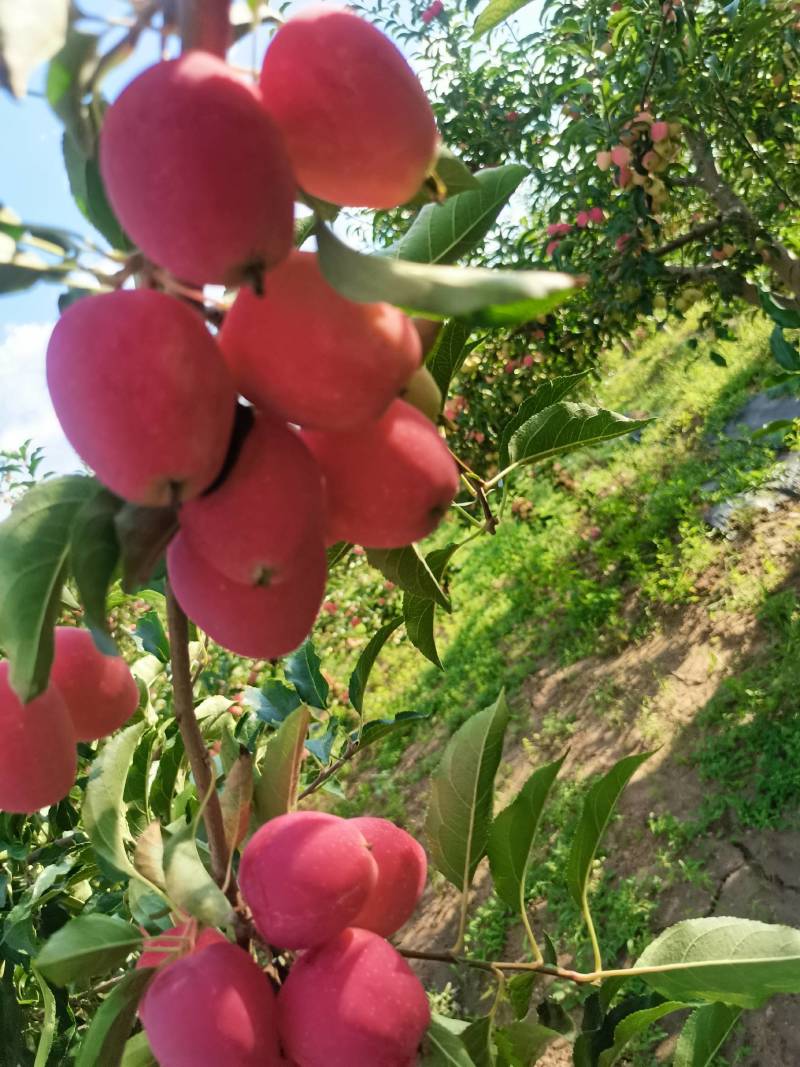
647 697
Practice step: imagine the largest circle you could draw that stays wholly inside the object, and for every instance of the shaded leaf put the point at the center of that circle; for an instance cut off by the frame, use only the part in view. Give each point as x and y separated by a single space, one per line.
419 612
366 661
34 548
275 791
86 947
375 729
48 1029
448 353
474 294
543 396
143 535
67 77
94 551
103 810
104 1043
512 833
189 885
406 568
736 961
519 989
460 806
235 800
148 855
302 670
30 33
444 233
522 1043
476 1039
703 1035
598 807
635 1023
137 1052
784 353
273 702
443 1048
788 318
150 636
563 427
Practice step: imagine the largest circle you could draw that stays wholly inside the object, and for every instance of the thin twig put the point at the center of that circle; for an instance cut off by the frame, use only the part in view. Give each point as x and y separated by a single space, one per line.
351 749
199 761
124 45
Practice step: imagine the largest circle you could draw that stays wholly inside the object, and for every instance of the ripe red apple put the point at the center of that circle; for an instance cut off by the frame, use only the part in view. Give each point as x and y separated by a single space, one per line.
178 941
197 172
37 754
388 483
305 876
214 1007
311 355
402 868
277 485
351 1002
357 124
99 691
254 621
142 394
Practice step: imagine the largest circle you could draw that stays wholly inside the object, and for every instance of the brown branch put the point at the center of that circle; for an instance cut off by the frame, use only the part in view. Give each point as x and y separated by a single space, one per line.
199 761
661 30
697 233
720 276
206 25
124 46
494 965
351 749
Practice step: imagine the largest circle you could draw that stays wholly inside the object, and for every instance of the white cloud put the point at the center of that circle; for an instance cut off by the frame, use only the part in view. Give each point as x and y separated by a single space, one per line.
25 408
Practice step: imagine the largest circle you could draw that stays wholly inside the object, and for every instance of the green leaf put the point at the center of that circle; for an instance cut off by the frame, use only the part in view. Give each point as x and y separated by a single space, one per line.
34 548
30 33
103 810
418 612
47 1034
105 1040
189 885
143 535
460 807
444 233
25 270
137 1052
93 556
86 947
151 636
564 427
406 568
512 833
522 1043
598 807
275 791
453 173
495 12
302 670
67 78
375 729
88 192
474 294
635 1023
236 800
519 989
273 702
544 396
366 661
703 1035
443 1048
784 353
735 961
789 318
337 552
476 1039
448 353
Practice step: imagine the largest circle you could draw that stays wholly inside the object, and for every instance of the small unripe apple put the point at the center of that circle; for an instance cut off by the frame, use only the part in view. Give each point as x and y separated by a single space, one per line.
197 172
352 1002
305 876
99 690
38 760
402 869
388 483
319 360
422 393
259 622
142 393
356 121
213 1007
660 302
181 940
277 484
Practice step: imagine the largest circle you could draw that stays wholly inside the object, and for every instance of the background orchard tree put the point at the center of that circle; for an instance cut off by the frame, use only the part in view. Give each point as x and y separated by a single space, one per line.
165 882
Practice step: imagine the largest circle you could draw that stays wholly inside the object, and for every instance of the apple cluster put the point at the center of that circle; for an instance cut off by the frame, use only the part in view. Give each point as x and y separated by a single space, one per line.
332 891
203 170
89 696
646 148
